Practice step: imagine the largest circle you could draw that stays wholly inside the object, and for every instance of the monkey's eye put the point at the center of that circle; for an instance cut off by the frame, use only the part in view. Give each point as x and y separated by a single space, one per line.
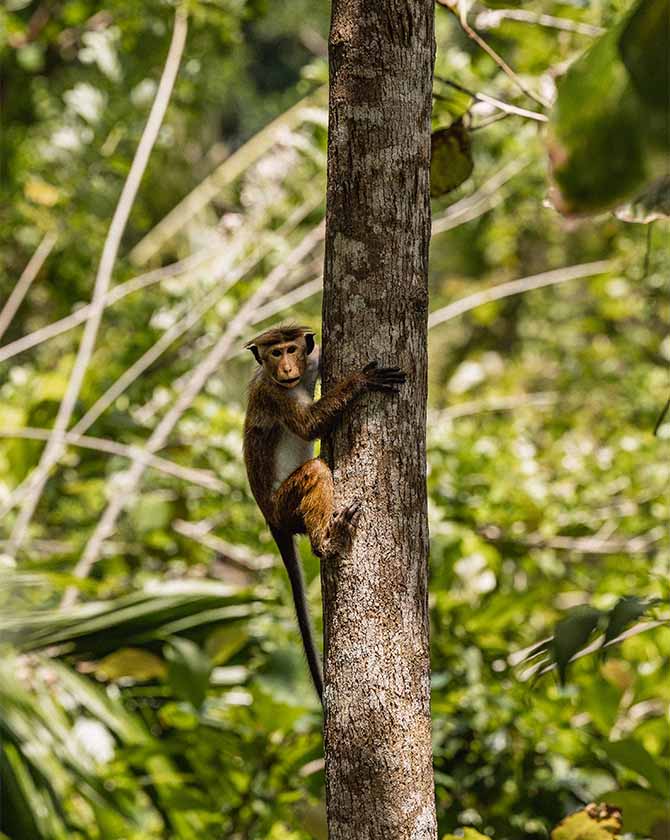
291 349
276 353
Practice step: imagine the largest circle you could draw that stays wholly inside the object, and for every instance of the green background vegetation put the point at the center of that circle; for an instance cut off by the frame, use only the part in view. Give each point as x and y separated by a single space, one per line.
173 701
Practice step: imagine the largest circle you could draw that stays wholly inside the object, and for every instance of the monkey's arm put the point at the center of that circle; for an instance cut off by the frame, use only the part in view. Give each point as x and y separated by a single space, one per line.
313 420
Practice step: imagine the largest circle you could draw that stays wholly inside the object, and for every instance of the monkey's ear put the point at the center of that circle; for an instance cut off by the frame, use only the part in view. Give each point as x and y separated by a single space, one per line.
309 342
255 351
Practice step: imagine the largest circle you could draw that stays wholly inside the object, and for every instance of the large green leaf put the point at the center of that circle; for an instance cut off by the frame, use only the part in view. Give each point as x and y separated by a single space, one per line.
644 813
596 141
631 754
188 670
100 628
645 49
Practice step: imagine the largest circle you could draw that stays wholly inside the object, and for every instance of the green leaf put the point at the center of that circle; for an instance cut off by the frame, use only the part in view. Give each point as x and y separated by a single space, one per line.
179 716
188 670
595 822
468 834
134 663
624 612
596 133
643 812
451 159
571 635
644 45
631 754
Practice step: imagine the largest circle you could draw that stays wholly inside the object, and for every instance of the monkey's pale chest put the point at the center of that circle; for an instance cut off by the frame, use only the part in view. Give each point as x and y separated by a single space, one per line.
291 451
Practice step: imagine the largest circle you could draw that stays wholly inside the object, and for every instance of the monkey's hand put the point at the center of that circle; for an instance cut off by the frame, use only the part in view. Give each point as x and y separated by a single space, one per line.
382 379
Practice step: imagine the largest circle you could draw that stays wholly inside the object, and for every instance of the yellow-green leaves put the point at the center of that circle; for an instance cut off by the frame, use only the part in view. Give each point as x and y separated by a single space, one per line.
451 158
595 822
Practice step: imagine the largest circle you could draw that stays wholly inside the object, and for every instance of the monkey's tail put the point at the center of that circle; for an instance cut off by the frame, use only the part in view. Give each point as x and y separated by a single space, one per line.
286 546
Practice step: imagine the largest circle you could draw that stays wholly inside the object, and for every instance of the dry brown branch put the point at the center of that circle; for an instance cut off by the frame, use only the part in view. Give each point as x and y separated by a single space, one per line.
25 281
515 287
54 447
192 387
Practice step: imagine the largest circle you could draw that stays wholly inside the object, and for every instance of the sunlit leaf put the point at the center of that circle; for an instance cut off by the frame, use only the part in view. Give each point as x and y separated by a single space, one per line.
140 665
595 822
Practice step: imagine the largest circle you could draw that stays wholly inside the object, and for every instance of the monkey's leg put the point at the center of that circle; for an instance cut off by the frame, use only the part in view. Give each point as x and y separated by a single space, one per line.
304 502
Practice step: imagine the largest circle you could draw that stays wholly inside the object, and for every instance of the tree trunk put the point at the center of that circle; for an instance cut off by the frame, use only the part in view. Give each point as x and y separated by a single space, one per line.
379 776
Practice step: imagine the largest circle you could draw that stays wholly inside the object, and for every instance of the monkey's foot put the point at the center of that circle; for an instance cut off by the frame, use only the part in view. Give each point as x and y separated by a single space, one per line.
342 526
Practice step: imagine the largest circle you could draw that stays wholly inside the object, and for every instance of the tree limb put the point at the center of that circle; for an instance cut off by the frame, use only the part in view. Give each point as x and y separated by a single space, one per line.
25 281
53 449
515 287
194 476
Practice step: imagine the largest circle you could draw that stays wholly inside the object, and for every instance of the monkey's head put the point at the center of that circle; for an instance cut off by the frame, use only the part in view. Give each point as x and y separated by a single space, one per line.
283 351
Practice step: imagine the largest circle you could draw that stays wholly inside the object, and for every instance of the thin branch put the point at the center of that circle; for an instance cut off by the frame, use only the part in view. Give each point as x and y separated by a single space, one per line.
197 311
516 287
235 555
499 60
194 476
641 544
142 281
54 447
297 295
492 18
211 187
500 104
542 399
171 335
192 387
488 196
25 281
496 118
135 284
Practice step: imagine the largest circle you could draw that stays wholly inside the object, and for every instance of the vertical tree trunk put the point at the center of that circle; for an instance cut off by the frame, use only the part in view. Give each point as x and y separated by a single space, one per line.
379 777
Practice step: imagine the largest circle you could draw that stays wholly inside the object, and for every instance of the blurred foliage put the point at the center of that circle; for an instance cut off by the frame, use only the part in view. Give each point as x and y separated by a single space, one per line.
173 701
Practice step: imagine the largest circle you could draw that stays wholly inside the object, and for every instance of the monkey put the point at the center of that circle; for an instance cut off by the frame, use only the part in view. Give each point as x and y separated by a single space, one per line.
293 489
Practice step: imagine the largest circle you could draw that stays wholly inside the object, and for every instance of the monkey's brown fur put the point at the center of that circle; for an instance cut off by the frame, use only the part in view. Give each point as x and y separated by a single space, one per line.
293 489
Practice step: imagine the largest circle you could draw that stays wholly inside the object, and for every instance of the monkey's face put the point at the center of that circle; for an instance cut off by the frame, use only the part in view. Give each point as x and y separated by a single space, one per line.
285 363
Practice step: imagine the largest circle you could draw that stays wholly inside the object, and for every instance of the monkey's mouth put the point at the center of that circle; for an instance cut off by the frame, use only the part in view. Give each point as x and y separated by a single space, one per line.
291 381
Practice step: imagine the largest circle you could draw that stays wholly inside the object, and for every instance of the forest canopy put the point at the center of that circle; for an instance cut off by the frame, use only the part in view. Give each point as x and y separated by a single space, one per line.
152 683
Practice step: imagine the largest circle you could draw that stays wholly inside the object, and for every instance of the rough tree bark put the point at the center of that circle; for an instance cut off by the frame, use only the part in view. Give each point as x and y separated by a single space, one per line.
379 776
